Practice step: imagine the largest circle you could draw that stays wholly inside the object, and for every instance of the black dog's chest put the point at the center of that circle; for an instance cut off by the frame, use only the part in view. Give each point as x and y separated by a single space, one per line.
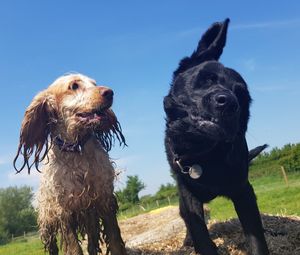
218 178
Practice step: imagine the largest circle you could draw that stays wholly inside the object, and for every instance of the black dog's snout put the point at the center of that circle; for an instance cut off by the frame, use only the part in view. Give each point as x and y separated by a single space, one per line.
221 100
225 102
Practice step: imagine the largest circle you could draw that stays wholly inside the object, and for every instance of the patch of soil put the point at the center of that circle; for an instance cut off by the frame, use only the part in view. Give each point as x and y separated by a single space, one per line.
161 232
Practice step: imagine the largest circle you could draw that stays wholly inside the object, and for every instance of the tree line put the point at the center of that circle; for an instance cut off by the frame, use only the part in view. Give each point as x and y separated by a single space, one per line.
288 156
129 196
17 214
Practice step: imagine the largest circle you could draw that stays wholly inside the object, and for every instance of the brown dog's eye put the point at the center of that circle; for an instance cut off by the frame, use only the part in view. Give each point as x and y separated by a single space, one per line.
74 86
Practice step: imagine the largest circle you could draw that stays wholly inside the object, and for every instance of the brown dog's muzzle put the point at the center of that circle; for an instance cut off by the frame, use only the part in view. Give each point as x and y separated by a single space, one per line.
106 96
106 93
100 98
99 101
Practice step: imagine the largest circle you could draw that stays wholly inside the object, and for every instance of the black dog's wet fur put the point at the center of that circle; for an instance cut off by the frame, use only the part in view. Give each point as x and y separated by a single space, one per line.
207 112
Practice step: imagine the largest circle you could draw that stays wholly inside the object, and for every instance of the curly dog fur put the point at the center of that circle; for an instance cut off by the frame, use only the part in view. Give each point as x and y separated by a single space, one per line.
69 127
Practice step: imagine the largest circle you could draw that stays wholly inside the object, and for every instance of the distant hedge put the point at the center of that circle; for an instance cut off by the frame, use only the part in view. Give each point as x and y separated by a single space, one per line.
17 214
287 156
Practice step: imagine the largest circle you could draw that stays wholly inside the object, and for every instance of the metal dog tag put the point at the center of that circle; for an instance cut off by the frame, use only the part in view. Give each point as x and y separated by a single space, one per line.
195 171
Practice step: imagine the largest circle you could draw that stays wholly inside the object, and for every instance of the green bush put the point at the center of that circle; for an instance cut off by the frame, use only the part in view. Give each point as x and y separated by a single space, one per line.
165 191
17 214
4 238
287 156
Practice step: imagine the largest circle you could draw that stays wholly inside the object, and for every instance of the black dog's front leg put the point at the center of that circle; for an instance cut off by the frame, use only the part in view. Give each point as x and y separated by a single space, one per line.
191 210
246 207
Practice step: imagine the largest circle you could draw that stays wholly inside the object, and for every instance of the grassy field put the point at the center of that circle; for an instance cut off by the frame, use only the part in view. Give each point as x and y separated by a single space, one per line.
23 246
274 197
138 209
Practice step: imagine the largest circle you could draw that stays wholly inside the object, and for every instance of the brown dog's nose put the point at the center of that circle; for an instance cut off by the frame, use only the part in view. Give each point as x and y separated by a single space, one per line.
107 93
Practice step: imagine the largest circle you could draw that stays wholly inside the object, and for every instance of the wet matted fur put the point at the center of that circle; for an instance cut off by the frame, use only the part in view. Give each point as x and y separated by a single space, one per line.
207 112
70 128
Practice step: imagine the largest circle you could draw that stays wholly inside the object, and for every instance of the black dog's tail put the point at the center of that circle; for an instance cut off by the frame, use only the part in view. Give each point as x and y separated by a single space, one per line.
256 151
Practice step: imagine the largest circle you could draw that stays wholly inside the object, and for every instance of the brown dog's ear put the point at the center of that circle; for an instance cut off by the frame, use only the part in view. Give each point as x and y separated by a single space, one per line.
210 47
35 130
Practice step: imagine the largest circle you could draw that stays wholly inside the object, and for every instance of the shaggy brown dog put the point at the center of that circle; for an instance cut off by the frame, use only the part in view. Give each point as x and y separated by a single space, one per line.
71 124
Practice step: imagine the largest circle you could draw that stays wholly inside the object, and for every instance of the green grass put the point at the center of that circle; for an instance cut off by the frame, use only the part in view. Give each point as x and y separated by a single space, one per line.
23 246
147 207
273 197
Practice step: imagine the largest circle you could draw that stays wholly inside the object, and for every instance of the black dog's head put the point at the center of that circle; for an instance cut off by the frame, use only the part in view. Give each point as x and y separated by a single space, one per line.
207 101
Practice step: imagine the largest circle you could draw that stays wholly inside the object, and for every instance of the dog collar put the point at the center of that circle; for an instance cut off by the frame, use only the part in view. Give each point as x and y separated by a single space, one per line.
69 147
195 171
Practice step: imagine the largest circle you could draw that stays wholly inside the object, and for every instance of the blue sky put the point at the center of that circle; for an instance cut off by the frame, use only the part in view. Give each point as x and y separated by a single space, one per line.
133 47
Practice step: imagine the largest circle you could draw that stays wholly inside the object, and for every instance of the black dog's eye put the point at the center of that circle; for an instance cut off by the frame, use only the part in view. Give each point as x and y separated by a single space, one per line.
242 93
211 77
239 89
205 79
74 86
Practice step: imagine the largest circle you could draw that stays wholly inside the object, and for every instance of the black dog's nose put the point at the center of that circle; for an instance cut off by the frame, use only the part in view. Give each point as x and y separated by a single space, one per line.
226 102
221 99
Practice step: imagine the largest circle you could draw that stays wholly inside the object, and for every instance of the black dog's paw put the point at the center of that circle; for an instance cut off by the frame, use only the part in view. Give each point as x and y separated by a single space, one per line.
188 242
211 249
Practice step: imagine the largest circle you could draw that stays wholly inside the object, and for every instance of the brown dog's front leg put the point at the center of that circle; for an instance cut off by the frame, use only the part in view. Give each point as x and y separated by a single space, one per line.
115 242
92 227
48 234
53 249
71 244
112 231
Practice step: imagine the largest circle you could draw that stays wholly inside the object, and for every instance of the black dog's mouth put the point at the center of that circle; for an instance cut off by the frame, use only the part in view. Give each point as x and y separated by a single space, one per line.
211 128
215 128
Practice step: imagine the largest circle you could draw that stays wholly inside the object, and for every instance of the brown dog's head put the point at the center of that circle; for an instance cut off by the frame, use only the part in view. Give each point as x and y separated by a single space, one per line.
72 108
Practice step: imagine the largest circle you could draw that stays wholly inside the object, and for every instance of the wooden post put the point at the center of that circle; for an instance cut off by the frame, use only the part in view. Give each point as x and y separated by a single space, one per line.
169 200
157 203
142 208
284 176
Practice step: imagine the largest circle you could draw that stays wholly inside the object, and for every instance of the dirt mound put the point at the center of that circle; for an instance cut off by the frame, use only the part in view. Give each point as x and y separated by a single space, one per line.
161 232
149 228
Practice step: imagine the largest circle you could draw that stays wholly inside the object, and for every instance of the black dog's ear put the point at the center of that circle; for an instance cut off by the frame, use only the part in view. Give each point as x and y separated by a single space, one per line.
210 47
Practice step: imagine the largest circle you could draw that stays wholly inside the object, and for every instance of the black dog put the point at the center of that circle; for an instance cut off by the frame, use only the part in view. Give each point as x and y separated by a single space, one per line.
207 114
